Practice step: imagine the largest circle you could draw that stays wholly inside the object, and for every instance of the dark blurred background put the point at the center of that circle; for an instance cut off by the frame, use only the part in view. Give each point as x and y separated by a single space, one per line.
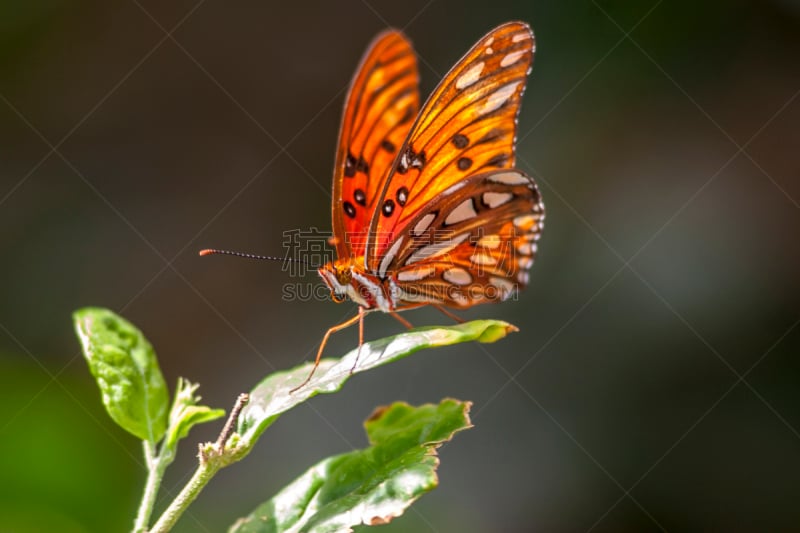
654 382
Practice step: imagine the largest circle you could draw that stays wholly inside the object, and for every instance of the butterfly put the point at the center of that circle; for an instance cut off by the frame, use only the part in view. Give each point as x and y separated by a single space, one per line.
427 206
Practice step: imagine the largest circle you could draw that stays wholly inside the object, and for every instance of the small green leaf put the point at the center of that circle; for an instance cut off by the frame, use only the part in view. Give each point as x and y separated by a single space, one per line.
370 486
272 396
126 370
185 413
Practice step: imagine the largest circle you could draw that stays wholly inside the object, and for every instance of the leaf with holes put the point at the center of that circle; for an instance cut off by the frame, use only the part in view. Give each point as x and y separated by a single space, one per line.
125 367
369 486
273 395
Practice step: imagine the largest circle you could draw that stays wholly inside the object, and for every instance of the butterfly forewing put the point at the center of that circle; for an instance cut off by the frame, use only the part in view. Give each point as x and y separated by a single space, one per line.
467 126
379 111
473 244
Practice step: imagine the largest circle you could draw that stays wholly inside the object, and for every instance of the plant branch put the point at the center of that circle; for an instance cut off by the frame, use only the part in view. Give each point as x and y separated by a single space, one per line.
155 473
212 457
230 424
205 471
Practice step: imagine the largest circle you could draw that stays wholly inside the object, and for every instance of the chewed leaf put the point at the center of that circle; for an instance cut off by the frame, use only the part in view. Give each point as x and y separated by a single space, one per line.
126 370
272 396
370 486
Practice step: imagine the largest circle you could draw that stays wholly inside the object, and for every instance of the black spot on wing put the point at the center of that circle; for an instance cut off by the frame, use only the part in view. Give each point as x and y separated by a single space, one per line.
350 165
388 208
460 141
410 159
360 197
417 160
402 195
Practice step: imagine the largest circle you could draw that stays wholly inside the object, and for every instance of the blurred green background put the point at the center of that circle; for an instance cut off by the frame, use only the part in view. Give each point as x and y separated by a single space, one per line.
664 137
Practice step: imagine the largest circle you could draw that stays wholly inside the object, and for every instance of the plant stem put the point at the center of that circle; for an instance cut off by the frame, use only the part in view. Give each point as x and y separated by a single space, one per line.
212 458
205 471
227 431
155 472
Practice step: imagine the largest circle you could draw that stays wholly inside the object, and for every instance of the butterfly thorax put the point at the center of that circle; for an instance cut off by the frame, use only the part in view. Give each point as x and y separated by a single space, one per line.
347 279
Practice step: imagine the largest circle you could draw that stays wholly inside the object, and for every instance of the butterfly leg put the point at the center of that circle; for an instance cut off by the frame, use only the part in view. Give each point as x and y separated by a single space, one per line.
449 314
360 337
402 320
334 329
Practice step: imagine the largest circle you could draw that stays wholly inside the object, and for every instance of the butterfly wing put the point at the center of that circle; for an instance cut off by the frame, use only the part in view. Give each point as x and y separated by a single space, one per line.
467 126
380 108
473 244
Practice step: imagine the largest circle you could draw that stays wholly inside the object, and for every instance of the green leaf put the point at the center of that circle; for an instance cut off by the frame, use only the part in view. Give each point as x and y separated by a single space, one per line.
126 370
185 413
272 396
370 486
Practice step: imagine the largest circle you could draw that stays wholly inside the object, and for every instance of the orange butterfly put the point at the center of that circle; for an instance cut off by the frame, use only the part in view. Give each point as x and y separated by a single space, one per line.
427 206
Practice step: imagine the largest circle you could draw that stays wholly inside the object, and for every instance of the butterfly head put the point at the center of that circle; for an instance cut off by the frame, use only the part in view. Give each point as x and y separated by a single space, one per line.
347 280
337 276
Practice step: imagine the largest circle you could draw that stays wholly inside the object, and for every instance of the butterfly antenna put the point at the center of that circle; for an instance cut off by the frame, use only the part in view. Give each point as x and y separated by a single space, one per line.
212 251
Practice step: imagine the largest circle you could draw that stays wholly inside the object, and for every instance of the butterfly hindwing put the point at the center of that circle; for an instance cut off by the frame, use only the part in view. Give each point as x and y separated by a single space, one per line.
467 126
473 244
380 108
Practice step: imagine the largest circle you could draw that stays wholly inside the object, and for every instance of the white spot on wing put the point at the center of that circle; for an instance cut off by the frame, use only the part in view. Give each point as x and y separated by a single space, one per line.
458 298
483 259
489 51
494 199
511 58
520 37
491 242
509 178
490 41
457 276
472 75
389 257
423 224
438 248
464 211
498 98
524 222
525 262
503 284
416 274
453 188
